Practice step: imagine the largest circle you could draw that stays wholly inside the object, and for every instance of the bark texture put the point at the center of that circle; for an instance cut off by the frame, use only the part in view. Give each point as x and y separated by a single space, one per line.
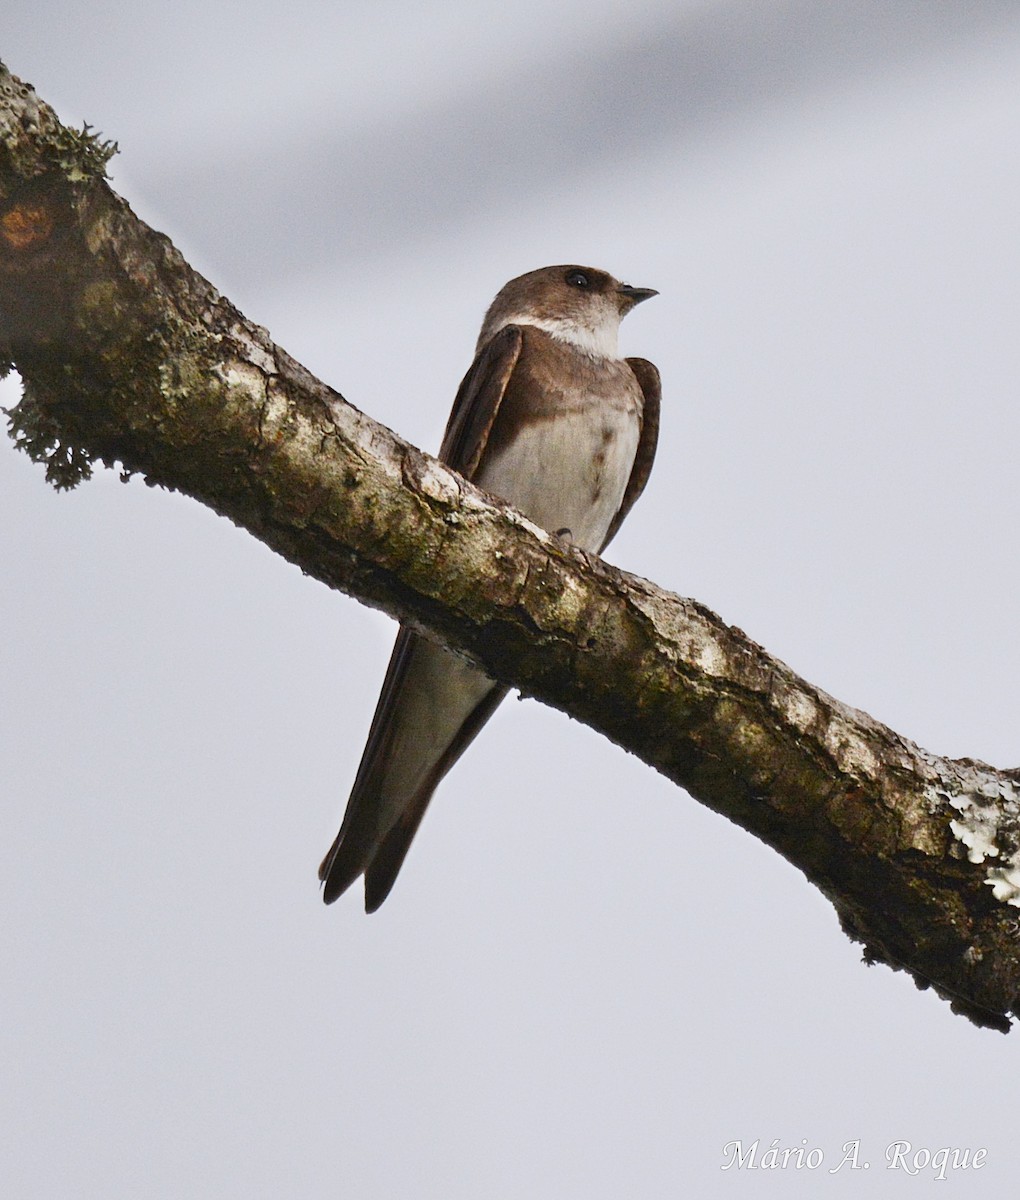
132 359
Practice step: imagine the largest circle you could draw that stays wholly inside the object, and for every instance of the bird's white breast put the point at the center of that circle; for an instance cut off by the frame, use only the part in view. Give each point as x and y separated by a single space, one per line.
570 470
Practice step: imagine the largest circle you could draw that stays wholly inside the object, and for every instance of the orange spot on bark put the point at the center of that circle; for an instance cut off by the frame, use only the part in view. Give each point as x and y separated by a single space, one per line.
26 225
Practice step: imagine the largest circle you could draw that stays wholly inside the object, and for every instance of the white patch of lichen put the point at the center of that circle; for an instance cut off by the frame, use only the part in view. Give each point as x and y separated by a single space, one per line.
987 823
978 832
1005 882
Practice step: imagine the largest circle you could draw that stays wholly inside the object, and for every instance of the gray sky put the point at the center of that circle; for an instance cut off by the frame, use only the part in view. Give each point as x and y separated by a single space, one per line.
583 985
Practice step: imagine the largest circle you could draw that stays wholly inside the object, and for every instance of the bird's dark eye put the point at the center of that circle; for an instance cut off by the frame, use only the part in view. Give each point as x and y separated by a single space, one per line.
578 279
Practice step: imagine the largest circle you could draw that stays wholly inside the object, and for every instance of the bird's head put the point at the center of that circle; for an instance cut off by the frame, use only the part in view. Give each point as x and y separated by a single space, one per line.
581 305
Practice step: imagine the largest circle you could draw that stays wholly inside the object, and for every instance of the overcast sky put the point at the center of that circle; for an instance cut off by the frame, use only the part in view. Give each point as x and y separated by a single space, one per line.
583 985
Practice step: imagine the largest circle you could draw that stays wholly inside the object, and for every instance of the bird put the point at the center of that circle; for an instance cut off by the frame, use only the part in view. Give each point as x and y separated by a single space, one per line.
552 420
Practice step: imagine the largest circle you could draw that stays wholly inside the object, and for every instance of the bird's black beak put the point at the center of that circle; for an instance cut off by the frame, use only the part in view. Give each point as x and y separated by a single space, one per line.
632 295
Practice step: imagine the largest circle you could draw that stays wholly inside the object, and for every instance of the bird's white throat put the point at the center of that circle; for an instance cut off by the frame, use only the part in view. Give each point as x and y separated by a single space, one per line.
600 340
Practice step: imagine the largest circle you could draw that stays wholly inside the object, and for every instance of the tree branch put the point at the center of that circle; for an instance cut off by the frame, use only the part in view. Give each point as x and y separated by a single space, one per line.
130 358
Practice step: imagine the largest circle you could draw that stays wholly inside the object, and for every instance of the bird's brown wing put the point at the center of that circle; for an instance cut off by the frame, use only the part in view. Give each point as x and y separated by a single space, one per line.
478 399
647 375
360 846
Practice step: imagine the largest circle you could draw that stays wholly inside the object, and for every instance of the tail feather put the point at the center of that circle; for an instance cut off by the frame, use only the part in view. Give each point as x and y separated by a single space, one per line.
341 866
429 691
384 865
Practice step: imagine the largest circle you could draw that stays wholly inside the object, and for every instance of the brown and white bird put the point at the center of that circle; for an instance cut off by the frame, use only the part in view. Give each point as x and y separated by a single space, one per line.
550 418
